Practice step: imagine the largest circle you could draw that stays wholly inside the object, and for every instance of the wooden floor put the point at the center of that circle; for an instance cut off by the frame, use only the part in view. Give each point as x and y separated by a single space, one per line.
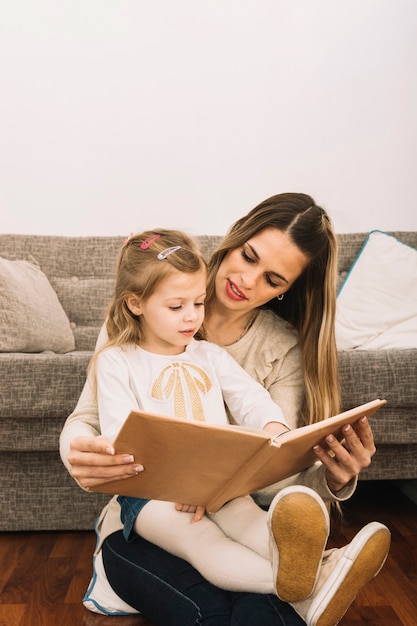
43 576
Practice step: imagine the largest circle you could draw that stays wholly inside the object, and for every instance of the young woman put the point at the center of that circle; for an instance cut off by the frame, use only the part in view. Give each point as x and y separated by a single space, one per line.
271 303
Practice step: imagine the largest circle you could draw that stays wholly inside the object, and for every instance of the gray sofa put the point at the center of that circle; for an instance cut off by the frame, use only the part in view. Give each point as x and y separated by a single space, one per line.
39 390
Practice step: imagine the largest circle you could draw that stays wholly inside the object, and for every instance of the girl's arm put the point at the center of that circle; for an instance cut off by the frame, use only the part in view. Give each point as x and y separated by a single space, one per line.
247 400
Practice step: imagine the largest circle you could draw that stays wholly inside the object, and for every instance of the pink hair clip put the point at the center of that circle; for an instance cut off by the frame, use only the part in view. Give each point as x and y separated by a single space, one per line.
148 242
128 239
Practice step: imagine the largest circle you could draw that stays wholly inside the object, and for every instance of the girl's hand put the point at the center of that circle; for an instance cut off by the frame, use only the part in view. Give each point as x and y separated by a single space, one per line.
346 460
94 461
190 508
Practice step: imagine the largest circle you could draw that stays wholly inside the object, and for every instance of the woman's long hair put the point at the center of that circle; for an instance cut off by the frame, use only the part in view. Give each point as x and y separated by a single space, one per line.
310 304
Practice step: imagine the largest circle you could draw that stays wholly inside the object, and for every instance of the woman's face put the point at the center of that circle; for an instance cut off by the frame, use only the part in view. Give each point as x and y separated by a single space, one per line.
263 268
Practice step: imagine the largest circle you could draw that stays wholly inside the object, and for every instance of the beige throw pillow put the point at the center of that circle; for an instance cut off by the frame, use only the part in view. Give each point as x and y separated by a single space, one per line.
31 316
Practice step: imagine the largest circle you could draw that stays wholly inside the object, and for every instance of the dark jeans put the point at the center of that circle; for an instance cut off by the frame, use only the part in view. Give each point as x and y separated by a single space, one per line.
170 592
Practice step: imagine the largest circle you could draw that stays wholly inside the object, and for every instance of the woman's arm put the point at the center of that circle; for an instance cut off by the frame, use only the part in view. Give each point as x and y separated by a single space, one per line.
336 476
88 456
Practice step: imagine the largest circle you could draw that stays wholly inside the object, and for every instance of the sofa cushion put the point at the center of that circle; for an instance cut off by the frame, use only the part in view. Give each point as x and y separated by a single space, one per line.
31 316
377 302
41 385
388 374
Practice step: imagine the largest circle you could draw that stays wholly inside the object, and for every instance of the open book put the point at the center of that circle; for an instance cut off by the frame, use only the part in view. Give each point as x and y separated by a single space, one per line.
199 463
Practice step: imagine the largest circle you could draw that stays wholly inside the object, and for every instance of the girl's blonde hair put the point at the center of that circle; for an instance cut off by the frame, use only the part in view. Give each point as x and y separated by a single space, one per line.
310 304
146 260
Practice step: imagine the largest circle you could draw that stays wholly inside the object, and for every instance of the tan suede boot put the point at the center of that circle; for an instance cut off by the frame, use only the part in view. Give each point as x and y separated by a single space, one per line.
299 525
343 573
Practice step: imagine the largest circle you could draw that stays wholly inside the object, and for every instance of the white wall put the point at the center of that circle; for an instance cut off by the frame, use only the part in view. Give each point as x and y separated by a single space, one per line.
118 115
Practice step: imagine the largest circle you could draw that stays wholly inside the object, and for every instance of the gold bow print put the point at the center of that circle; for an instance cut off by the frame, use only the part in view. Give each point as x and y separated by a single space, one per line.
177 378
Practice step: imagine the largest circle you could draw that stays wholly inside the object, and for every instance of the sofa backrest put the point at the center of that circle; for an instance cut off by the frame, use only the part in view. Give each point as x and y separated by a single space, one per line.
81 270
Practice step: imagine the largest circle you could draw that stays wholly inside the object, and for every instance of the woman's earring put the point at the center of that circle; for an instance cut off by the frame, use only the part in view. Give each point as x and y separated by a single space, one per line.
280 297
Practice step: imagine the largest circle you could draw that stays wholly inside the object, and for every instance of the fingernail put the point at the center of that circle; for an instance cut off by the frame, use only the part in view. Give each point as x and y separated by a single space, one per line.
347 428
138 469
330 439
110 450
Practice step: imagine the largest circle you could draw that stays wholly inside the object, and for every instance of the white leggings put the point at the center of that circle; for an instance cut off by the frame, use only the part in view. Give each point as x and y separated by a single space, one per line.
230 549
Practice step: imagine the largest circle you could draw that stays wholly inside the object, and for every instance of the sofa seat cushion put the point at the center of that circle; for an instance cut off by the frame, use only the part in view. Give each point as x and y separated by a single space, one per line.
41 385
39 494
389 374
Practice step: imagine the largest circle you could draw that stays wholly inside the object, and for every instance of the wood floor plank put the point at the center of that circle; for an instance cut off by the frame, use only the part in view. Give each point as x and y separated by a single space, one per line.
30 557
66 544
12 614
90 619
82 572
398 591
371 616
7 559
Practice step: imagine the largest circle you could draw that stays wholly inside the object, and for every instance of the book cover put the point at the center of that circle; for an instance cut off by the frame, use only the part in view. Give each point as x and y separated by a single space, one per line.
200 463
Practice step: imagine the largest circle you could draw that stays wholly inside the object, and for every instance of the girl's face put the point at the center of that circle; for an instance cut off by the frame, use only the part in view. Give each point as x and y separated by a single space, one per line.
173 313
263 268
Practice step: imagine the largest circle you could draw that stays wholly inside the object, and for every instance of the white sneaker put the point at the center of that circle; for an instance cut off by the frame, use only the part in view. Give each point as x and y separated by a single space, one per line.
343 573
299 525
100 597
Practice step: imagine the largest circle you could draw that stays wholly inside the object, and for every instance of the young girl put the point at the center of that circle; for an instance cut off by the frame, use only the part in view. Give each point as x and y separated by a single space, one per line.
151 362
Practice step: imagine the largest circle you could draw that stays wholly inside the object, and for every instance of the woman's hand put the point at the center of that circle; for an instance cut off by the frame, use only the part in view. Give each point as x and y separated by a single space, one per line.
190 508
346 460
93 461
